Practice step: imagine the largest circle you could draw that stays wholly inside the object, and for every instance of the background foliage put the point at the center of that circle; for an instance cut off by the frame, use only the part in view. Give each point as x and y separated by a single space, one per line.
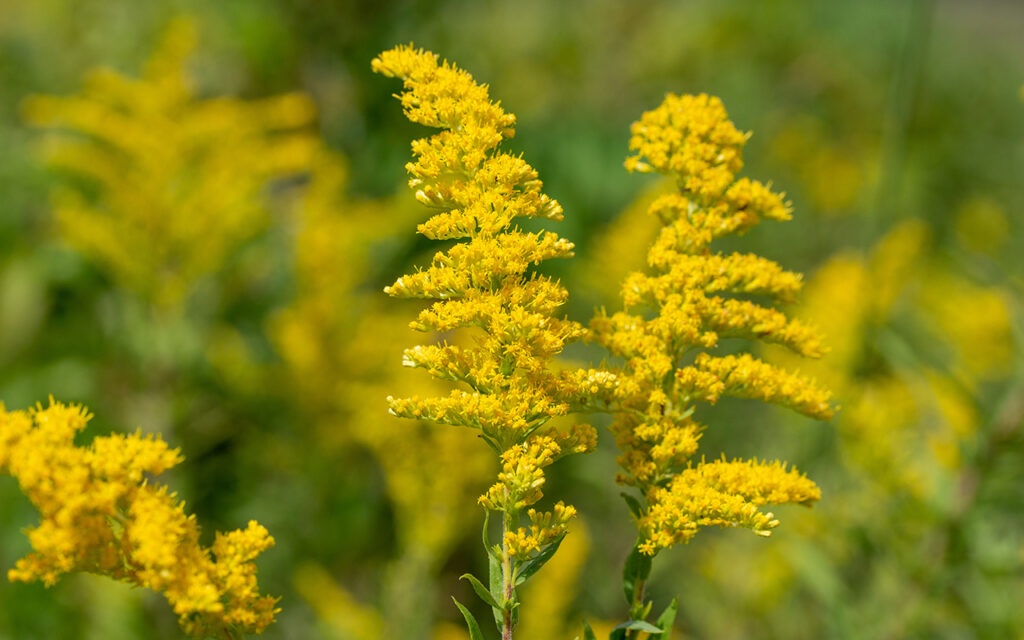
897 130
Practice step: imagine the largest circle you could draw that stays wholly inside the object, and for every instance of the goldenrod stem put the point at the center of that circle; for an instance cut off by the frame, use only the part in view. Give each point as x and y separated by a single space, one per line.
636 609
508 587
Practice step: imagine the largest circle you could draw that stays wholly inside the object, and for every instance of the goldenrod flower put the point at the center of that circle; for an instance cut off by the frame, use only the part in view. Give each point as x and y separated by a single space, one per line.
697 299
509 390
721 494
483 281
545 528
101 514
178 182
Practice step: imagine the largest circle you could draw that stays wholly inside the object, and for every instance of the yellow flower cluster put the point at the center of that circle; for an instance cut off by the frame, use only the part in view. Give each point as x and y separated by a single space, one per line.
101 514
545 528
721 494
697 299
487 296
178 182
482 282
691 138
522 476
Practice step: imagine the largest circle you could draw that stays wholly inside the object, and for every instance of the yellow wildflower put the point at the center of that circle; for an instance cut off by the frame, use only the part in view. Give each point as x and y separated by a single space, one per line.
100 514
481 281
697 299
721 494
483 287
522 474
545 528
178 181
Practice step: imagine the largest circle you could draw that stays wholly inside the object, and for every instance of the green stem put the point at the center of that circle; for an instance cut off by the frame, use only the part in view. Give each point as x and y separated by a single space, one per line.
508 587
636 609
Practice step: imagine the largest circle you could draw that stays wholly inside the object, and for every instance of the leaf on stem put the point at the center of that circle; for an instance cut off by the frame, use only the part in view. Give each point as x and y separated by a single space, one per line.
588 633
481 590
495 579
633 504
637 569
474 627
666 620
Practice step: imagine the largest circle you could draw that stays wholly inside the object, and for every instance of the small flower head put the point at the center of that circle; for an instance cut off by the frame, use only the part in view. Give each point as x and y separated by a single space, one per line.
545 528
692 138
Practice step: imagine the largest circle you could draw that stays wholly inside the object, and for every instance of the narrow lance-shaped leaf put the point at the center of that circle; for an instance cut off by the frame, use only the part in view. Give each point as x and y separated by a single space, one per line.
481 590
666 620
474 626
638 625
588 633
637 569
633 504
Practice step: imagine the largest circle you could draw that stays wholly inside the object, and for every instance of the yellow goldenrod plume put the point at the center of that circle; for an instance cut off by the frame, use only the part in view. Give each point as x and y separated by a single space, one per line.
101 514
483 281
698 298
721 494
508 388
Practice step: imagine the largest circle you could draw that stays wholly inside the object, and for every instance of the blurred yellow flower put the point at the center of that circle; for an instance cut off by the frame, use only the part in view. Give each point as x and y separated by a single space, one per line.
172 184
894 405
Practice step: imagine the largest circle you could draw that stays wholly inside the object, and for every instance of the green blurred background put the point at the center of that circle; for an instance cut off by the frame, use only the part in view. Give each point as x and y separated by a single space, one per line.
896 129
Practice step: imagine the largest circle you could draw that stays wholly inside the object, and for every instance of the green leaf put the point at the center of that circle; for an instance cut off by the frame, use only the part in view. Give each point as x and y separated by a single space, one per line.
588 633
633 504
534 564
474 627
617 634
490 443
481 590
666 620
483 533
495 580
638 568
638 625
